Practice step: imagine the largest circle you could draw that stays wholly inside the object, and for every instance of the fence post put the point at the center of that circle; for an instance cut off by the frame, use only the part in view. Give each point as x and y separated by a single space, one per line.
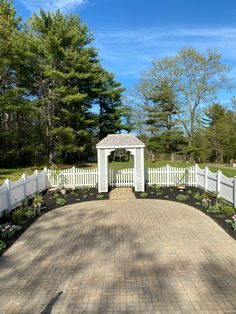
235 192
8 184
218 182
25 186
73 177
36 178
168 175
205 178
46 177
196 168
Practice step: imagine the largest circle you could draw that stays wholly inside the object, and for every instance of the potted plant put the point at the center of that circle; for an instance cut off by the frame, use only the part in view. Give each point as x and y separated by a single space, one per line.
62 184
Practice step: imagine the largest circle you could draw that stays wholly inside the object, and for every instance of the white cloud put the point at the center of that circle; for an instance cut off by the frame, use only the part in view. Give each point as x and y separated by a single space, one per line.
52 5
128 52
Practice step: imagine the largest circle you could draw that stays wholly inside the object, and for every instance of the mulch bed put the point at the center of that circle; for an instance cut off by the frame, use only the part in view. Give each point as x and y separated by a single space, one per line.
170 193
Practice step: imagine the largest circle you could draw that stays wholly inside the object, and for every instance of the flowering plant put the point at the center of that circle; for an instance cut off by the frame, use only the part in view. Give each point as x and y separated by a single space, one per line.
232 222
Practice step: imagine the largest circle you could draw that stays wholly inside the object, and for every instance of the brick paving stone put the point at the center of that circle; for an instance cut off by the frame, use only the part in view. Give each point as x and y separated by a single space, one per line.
120 256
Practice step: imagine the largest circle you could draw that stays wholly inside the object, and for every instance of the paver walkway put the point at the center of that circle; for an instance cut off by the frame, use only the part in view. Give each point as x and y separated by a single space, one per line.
121 194
134 256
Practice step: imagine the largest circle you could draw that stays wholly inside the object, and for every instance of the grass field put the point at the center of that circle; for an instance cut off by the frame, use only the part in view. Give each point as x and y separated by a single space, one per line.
15 173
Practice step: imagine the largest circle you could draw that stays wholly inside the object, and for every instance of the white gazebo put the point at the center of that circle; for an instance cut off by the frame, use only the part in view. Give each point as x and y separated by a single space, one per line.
131 144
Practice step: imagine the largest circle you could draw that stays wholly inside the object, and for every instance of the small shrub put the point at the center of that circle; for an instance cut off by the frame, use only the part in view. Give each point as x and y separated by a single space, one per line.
54 195
18 217
189 192
182 197
171 189
2 245
30 212
85 189
143 194
214 208
197 196
159 193
232 222
100 196
6 215
61 201
225 207
9 231
38 200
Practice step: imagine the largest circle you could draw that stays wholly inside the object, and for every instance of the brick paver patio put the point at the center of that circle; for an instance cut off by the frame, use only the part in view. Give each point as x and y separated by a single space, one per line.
131 256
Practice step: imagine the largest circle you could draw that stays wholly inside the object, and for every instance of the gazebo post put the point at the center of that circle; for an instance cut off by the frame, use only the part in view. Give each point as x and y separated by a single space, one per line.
139 170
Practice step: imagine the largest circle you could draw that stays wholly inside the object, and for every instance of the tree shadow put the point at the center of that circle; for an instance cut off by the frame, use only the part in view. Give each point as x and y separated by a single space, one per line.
48 308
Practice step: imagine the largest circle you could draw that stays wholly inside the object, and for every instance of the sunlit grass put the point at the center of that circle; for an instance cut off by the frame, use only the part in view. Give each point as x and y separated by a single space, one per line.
15 173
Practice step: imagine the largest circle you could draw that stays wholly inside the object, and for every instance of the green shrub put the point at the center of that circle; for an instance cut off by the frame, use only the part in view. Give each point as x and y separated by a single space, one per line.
100 196
38 200
189 192
18 217
85 189
30 212
6 215
214 208
2 245
171 189
182 197
143 194
61 201
231 223
21 215
54 195
159 193
225 208
8 231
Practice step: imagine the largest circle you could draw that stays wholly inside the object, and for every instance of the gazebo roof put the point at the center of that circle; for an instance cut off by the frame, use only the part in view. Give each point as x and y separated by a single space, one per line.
120 141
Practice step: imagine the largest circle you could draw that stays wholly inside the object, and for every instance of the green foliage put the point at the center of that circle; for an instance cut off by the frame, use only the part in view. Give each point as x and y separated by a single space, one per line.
21 215
189 192
61 201
2 245
221 206
51 78
100 196
182 197
38 202
143 195
8 231
232 222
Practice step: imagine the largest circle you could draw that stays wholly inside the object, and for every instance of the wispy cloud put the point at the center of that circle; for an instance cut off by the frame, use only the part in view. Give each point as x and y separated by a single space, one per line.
128 52
52 5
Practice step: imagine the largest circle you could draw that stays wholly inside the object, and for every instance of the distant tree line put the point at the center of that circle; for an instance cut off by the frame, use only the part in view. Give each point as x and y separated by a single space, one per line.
56 100
177 112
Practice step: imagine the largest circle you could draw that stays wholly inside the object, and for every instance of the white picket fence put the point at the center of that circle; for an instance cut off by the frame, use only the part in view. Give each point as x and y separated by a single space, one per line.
13 193
170 176
73 177
121 178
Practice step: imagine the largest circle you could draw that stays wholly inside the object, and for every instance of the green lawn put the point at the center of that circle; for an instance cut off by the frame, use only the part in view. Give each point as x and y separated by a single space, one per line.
15 174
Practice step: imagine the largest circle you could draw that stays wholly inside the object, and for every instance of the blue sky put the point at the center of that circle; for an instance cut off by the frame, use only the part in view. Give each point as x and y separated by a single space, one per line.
129 34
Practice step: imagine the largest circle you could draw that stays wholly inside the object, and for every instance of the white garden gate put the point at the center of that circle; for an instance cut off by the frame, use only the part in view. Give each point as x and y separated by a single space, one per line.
121 178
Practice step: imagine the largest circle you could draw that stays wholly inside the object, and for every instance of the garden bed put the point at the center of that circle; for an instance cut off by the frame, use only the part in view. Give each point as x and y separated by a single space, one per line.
15 222
207 203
